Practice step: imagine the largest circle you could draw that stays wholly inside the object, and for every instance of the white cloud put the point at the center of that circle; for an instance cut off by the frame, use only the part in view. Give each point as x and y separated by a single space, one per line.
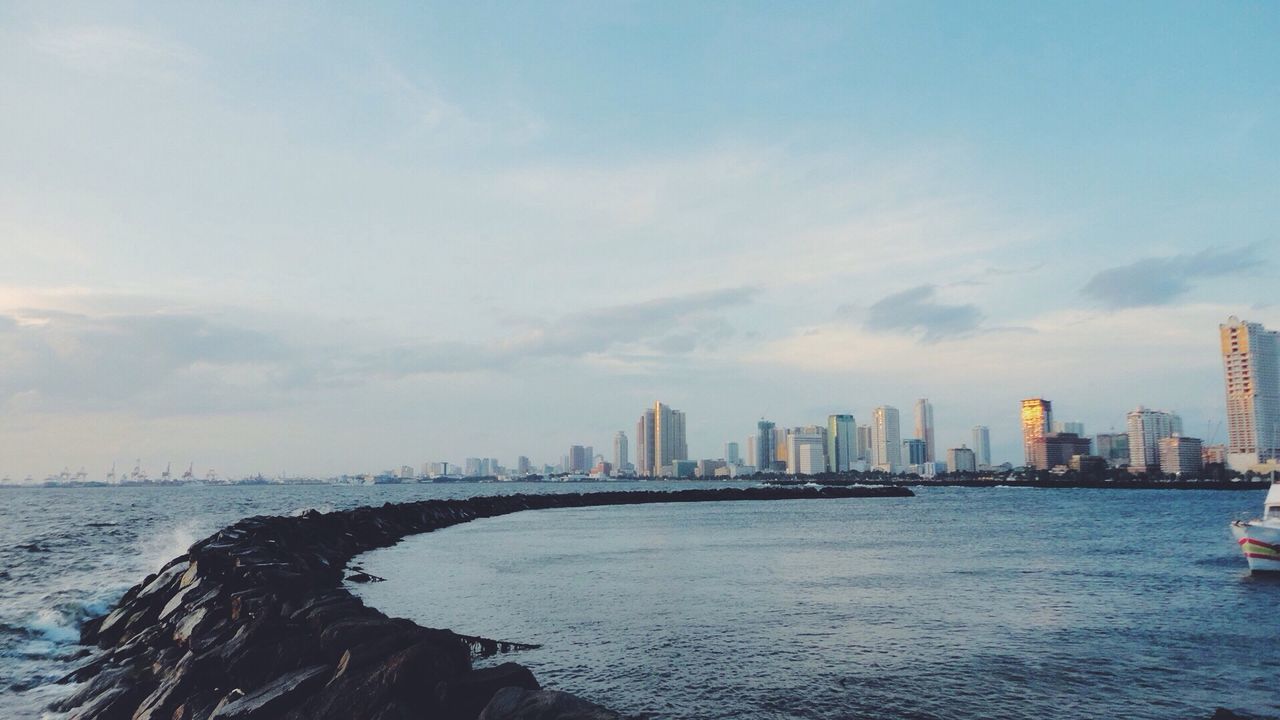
114 50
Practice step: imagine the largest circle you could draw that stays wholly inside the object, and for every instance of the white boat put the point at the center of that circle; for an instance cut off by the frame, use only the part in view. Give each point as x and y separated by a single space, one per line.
1260 539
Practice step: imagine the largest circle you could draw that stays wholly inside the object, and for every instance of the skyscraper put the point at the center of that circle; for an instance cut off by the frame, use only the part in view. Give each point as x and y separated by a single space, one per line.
962 459
982 445
1113 447
863 451
1146 428
731 453
1066 426
780 445
764 446
660 440
807 450
579 459
1251 372
1037 418
913 450
886 439
1181 455
841 442
924 428
620 448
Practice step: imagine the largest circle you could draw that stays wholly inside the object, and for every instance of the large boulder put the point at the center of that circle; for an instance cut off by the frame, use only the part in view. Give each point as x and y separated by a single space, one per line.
520 704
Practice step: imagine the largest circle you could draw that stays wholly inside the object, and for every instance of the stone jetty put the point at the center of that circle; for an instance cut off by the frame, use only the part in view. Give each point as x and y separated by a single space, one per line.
254 623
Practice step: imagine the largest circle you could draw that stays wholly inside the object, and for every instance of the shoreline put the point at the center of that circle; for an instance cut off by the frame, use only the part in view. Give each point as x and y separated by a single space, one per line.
254 622
1257 484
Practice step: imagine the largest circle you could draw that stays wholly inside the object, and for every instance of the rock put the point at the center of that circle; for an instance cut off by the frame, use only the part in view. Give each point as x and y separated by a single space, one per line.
521 704
182 633
465 697
274 698
260 605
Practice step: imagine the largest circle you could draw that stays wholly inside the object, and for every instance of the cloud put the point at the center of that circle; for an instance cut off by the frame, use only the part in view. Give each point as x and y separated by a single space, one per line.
165 362
662 327
917 311
104 49
1161 280
169 362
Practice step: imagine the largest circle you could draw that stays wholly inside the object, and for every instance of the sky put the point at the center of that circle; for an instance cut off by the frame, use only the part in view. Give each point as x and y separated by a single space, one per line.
316 239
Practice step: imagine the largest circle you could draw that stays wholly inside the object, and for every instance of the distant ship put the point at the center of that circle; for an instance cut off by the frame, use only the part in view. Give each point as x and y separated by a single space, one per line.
1260 539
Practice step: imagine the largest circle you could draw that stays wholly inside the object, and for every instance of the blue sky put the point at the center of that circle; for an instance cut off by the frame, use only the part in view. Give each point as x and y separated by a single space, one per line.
328 239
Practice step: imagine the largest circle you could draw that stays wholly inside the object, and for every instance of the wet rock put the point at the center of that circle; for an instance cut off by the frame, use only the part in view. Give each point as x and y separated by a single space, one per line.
260 606
520 704
465 697
273 699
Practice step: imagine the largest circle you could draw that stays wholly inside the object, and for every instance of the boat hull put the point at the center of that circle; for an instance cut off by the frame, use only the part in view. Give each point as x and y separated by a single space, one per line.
1260 544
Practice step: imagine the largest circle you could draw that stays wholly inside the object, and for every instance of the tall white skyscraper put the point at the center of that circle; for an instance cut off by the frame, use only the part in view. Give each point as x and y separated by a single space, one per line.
620 459
886 439
807 450
841 442
660 440
924 428
982 445
1251 372
1146 429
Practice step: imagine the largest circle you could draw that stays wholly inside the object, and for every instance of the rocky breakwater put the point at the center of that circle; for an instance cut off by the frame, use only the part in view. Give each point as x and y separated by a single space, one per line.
254 622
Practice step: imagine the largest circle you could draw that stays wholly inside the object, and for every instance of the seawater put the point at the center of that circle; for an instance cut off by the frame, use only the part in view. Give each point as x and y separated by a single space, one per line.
958 603
67 554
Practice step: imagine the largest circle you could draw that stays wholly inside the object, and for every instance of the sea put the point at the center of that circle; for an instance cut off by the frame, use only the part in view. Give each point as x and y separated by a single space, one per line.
957 603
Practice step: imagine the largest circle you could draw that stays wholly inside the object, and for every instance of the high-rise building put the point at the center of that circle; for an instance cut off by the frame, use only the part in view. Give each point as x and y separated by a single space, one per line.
579 459
1056 449
1251 370
780 446
1146 429
753 456
731 453
924 429
620 447
1113 447
841 443
764 450
522 465
1180 455
981 445
660 440
962 459
863 450
1066 426
471 467
807 450
1037 419
886 439
915 451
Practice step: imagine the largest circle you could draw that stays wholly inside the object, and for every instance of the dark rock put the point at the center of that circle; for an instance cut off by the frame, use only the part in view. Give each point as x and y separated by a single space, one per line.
465 697
273 699
260 606
520 704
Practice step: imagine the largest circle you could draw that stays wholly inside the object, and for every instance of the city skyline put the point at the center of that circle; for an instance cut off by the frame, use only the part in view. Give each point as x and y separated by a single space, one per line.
368 242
